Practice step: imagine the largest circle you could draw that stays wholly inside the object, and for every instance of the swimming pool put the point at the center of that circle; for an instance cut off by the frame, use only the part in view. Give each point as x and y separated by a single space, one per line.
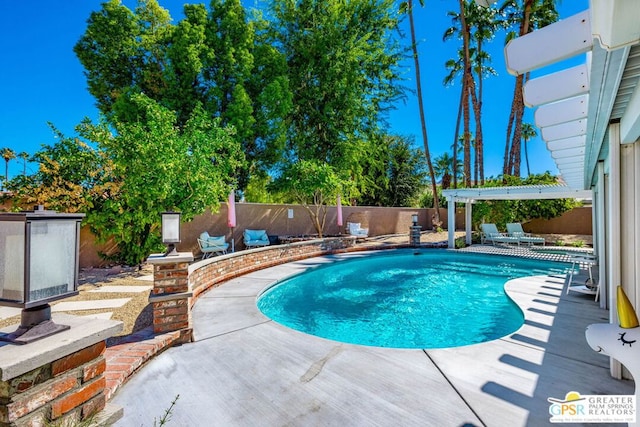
405 299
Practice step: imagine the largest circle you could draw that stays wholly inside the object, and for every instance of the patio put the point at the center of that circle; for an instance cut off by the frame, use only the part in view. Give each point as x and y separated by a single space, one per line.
245 369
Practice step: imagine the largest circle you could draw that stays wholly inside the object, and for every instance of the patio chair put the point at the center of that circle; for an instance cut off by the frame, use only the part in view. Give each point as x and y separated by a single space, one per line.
210 245
490 232
354 229
514 229
255 238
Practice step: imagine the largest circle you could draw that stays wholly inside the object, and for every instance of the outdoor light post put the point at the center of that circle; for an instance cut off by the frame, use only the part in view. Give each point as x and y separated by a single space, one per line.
171 232
38 265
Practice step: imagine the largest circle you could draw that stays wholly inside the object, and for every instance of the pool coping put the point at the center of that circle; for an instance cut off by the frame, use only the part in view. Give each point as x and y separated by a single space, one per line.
293 378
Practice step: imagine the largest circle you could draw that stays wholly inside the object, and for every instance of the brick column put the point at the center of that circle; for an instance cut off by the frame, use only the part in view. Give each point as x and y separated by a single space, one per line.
414 235
58 379
171 295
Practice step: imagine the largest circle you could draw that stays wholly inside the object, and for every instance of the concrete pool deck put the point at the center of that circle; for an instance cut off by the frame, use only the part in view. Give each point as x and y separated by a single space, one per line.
246 370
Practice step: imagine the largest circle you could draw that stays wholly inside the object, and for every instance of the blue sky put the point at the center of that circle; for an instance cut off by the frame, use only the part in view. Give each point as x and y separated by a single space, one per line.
41 80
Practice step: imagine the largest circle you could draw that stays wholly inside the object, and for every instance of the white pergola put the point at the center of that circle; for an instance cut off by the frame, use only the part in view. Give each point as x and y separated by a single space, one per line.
589 118
468 196
574 105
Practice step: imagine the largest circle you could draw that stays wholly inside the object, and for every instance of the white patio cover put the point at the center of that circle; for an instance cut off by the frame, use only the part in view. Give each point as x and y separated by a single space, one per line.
528 192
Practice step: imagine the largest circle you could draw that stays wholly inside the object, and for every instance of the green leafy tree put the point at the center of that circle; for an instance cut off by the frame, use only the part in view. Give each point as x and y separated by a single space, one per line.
342 63
215 58
403 177
407 173
159 167
110 53
70 174
128 173
246 84
502 212
313 185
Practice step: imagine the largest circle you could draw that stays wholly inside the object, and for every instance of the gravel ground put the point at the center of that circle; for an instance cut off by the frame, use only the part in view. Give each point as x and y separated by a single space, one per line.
136 314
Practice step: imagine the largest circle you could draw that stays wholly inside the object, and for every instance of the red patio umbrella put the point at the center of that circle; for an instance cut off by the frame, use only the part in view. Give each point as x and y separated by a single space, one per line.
231 217
339 207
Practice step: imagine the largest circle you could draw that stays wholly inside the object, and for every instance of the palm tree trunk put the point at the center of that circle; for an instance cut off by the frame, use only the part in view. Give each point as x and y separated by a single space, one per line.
479 135
507 147
517 139
526 156
517 107
457 137
432 175
478 141
465 109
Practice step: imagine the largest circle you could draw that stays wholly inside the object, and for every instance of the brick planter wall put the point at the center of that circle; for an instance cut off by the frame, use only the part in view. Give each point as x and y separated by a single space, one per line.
211 272
59 379
178 284
71 387
170 296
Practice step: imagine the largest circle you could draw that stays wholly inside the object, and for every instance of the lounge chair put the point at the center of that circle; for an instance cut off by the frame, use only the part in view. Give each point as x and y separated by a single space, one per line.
354 229
210 245
255 238
491 233
514 229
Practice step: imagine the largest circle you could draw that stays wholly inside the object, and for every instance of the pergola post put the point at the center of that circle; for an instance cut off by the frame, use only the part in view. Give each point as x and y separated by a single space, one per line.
451 221
468 210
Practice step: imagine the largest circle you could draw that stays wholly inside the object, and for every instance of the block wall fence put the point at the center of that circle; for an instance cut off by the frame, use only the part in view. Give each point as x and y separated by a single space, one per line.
277 220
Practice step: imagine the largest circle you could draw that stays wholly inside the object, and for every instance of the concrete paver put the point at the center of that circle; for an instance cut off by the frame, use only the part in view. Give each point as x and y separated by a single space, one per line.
7 312
89 305
122 289
246 370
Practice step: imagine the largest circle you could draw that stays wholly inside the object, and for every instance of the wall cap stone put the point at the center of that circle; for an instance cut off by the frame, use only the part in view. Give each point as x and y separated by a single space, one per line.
18 359
170 297
162 259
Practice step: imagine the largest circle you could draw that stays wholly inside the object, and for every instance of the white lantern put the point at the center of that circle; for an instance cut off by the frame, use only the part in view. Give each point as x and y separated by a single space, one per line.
38 264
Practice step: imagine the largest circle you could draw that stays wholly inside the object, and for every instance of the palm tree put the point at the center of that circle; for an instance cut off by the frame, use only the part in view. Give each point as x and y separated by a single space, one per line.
474 24
527 15
408 7
444 167
528 131
25 157
7 154
454 68
485 24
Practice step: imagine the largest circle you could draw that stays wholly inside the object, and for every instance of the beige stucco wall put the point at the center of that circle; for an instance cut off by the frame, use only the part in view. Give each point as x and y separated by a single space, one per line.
575 221
275 219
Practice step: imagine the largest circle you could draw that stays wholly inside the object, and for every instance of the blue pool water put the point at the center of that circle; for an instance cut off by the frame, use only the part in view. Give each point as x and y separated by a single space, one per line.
405 299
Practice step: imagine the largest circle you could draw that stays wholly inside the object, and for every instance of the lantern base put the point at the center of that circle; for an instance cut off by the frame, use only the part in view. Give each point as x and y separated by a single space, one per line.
35 324
171 250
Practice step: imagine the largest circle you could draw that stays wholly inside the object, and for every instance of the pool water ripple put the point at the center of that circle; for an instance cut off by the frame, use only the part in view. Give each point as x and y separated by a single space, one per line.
405 299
